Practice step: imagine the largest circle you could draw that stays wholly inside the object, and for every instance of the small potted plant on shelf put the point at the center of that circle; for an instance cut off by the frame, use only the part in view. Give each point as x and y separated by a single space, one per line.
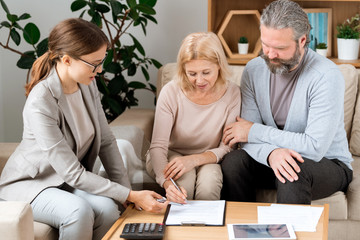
243 45
321 48
348 38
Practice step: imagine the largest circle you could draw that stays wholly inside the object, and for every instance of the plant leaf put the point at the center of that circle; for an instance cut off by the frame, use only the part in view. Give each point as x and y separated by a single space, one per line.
77 5
15 36
102 8
3 5
31 33
132 69
16 25
150 3
26 61
117 84
82 13
153 88
131 3
145 73
102 86
96 18
156 63
133 14
114 106
42 47
143 28
12 17
151 18
24 16
116 8
146 9
138 46
6 24
137 85
112 68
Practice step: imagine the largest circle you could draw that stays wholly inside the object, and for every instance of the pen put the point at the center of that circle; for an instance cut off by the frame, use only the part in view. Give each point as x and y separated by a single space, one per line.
177 187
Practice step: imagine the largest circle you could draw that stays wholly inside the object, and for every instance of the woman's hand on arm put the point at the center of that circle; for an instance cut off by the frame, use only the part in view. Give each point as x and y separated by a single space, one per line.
147 200
180 165
237 132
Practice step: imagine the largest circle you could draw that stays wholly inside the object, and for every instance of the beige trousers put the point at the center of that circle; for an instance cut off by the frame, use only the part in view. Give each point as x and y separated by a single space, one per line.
201 183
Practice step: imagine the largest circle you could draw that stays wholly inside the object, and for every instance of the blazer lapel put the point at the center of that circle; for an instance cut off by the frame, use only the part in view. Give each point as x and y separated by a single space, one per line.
56 89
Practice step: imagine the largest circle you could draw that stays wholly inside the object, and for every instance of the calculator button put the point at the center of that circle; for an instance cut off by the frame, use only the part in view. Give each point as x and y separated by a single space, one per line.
147 227
127 228
141 227
152 227
133 228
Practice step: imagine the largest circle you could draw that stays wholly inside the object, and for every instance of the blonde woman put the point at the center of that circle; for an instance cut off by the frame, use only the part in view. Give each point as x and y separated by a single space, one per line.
191 113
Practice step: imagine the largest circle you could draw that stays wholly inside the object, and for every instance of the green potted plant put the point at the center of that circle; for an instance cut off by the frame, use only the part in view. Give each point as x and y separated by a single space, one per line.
321 48
348 38
243 45
123 60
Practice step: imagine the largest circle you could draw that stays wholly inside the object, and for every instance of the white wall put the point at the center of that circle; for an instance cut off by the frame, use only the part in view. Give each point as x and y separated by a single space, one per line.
175 19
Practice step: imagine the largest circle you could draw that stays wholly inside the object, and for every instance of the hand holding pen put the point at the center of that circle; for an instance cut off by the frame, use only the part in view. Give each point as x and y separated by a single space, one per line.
174 193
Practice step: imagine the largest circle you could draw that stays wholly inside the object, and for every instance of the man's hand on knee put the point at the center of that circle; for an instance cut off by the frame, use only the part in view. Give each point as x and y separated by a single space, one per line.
283 163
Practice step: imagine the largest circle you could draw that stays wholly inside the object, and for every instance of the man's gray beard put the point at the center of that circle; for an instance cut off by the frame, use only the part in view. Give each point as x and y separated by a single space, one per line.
283 66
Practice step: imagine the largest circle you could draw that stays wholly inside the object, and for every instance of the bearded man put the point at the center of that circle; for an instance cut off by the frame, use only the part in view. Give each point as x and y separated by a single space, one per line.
291 129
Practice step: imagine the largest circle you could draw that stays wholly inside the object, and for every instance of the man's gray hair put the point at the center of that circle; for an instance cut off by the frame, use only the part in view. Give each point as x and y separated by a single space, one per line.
286 14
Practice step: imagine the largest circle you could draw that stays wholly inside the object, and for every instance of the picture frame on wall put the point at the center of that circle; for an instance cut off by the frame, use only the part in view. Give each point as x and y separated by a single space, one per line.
321 31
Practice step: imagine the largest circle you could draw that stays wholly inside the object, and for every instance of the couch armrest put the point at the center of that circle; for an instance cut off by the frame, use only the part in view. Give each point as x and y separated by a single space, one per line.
16 221
353 192
139 117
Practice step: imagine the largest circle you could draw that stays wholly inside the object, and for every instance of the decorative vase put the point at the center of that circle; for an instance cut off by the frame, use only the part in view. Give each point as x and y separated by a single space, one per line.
322 52
348 49
243 48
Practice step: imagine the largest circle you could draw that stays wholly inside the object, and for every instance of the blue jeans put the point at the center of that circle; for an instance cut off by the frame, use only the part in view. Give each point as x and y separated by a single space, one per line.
77 214
243 175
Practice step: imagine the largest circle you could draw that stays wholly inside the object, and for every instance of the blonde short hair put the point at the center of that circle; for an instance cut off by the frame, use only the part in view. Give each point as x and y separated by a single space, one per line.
201 46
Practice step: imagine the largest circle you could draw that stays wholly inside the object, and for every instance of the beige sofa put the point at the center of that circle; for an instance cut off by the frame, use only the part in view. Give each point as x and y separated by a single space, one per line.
135 126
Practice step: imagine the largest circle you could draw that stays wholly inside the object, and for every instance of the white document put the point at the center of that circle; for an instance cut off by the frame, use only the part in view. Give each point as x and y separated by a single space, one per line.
302 218
197 213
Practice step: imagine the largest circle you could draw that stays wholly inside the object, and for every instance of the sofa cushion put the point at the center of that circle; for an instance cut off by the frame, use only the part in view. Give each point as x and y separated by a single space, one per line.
338 205
165 74
133 146
43 231
144 120
351 87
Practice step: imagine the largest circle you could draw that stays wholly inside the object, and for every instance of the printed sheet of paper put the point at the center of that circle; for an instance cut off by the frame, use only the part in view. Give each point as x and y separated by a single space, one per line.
302 218
197 213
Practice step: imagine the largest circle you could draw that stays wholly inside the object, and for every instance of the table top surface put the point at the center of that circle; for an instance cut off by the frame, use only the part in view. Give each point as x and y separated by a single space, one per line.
236 212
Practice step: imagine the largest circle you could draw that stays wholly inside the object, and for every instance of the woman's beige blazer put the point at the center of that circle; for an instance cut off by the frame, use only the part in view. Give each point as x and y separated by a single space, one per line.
47 154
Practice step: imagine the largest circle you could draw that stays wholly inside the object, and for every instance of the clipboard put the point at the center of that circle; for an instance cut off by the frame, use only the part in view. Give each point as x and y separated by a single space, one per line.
196 213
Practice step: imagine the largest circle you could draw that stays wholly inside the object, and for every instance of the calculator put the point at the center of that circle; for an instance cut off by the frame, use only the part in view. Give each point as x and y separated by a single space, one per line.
143 231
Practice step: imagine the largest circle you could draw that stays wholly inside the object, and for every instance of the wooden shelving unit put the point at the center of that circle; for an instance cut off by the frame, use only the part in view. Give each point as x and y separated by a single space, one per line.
218 9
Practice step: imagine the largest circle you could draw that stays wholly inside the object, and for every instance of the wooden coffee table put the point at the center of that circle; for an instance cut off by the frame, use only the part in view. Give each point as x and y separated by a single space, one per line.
236 212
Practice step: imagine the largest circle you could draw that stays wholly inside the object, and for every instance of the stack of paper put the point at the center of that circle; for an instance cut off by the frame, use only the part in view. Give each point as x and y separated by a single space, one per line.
207 213
302 218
